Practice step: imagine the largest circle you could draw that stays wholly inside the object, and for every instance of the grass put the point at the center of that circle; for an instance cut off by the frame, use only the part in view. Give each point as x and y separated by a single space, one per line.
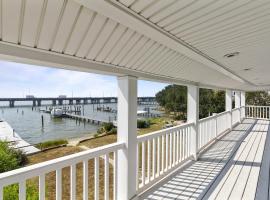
51 144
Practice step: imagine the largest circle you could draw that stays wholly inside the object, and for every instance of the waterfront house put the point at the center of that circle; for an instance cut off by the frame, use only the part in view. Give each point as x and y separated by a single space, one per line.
199 44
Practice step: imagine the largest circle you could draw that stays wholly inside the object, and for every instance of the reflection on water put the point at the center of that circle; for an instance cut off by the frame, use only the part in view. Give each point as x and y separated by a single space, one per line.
28 124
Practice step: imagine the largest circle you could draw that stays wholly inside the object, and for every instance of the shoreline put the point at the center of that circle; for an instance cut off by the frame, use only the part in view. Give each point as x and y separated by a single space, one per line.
7 134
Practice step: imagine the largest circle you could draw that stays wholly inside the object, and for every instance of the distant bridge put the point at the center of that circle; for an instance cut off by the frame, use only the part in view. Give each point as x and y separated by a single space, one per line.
37 101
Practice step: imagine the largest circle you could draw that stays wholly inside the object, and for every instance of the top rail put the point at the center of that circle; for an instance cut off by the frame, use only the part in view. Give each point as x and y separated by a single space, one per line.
24 173
154 134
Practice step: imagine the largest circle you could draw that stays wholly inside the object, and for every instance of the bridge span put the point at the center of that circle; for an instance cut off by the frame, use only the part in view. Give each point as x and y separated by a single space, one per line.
37 101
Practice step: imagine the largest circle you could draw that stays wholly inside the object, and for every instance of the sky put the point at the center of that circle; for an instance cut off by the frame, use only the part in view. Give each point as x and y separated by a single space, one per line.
18 80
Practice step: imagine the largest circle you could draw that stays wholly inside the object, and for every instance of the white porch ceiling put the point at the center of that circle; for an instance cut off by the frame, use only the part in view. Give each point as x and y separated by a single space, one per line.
216 28
82 31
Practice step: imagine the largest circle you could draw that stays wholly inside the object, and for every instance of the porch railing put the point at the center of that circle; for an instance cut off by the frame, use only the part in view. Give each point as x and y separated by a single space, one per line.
258 112
211 127
158 154
86 158
161 151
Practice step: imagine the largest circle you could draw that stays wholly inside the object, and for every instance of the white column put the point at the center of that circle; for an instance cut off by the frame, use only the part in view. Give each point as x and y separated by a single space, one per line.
127 132
228 107
193 116
243 103
237 99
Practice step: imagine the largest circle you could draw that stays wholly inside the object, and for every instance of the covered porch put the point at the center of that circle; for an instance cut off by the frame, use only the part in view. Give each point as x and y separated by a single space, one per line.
198 44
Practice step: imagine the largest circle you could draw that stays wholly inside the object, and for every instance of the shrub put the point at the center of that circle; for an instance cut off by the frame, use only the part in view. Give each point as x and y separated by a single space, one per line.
11 192
180 117
143 123
113 131
10 158
51 143
108 126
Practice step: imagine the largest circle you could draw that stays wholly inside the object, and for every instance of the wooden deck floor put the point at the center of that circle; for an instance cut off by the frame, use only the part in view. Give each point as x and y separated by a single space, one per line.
235 167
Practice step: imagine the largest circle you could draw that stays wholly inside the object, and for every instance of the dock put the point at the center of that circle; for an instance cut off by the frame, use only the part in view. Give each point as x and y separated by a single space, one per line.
87 119
15 141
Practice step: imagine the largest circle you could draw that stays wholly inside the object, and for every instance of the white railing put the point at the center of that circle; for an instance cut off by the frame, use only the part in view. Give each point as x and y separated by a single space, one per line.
86 158
236 116
162 151
259 112
211 127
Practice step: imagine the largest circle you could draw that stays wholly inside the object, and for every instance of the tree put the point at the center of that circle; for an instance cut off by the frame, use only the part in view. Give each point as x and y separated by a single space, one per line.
174 99
258 98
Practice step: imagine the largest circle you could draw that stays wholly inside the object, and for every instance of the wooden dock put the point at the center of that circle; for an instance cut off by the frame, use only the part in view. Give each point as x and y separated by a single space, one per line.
87 119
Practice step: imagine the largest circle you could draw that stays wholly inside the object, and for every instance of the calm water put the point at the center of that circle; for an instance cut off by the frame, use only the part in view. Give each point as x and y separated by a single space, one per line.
27 123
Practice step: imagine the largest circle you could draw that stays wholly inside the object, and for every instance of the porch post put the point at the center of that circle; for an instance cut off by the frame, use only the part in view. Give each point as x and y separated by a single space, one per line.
228 105
243 103
237 99
193 116
127 133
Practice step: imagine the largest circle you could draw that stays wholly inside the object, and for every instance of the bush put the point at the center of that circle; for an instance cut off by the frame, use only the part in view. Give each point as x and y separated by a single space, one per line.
11 192
113 131
108 126
143 123
180 117
10 158
50 144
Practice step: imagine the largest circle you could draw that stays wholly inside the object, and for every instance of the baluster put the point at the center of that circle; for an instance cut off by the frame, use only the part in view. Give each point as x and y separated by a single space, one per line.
148 160
158 156
42 187
96 178
167 151
177 147
181 145
22 190
115 172
170 163
106 177
1 193
73 182
143 163
85 179
59 184
154 159
174 148
162 153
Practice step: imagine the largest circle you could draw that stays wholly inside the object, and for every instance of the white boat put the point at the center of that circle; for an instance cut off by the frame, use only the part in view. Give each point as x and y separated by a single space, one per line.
56 112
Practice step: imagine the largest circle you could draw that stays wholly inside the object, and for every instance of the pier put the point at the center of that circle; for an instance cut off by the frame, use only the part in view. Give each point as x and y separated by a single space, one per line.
37 101
88 119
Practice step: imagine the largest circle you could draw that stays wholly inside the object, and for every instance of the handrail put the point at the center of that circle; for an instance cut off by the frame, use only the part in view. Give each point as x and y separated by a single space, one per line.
151 135
14 176
213 116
